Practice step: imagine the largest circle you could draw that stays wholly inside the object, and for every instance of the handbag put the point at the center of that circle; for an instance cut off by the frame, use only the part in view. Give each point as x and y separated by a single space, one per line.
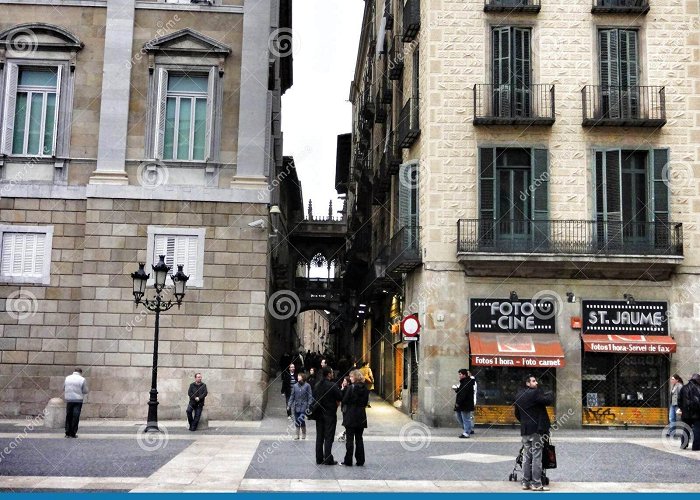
549 456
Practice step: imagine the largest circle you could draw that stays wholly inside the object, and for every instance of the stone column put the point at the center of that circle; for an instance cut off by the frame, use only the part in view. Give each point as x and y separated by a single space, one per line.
254 134
116 84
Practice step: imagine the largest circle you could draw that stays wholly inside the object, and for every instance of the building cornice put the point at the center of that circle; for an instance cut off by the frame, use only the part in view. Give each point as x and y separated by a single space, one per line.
225 9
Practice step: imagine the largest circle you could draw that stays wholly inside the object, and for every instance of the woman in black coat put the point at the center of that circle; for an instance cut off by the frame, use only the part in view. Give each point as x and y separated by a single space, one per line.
355 399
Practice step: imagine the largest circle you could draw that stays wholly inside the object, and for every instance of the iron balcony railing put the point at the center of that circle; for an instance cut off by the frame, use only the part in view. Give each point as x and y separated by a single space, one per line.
404 250
386 93
513 104
512 6
389 15
576 237
411 20
367 107
393 153
381 111
620 6
409 127
619 105
396 58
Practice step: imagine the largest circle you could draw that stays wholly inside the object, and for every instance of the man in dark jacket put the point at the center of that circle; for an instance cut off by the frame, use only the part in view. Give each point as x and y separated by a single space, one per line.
531 411
464 404
327 395
289 379
197 392
689 403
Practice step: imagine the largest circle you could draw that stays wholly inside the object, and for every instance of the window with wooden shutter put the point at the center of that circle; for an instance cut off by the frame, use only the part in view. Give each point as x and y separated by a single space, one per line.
512 71
660 203
9 105
619 73
25 253
540 193
408 201
487 195
179 246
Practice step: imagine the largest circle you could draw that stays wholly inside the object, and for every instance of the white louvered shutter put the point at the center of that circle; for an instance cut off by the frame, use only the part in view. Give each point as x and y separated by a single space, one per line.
8 116
161 104
56 108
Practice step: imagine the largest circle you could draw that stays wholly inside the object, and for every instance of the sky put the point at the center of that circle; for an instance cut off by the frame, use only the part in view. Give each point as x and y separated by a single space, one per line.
316 109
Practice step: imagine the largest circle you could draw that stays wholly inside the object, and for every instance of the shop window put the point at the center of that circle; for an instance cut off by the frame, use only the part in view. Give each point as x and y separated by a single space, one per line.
497 386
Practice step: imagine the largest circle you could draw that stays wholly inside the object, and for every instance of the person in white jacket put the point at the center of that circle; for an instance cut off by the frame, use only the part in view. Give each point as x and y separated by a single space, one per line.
74 389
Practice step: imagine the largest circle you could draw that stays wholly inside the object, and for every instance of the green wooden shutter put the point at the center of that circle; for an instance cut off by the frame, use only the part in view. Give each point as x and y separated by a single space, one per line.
660 202
609 73
487 196
408 201
522 68
629 70
612 215
501 71
540 185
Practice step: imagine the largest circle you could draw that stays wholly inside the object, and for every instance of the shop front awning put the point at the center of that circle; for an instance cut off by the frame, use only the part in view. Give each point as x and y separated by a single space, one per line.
629 344
518 350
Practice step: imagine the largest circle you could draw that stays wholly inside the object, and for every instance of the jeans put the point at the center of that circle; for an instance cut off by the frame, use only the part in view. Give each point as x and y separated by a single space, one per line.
299 420
532 459
354 444
73 417
466 420
325 433
194 420
672 419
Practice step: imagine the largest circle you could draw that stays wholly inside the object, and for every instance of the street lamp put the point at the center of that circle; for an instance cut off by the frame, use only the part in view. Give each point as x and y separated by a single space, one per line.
157 305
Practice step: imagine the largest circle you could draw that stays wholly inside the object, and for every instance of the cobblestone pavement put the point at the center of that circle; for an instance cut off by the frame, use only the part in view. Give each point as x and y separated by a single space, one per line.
402 455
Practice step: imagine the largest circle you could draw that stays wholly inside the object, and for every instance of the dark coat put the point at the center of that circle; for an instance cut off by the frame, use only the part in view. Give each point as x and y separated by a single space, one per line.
531 411
687 393
465 395
288 380
355 399
328 395
195 391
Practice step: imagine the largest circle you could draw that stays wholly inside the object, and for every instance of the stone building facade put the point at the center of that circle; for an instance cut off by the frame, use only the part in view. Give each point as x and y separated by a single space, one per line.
132 129
547 153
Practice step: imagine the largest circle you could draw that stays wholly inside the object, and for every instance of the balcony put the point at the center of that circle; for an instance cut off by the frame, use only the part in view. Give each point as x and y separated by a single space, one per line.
396 57
404 250
394 155
411 20
409 127
620 7
623 106
513 105
381 112
389 15
528 6
367 108
569 248
384 175
386 91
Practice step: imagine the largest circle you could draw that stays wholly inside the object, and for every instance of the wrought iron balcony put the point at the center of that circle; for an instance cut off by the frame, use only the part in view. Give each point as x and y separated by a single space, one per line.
532 6
513 104
404 250
623 106
570 237
409 126
411 20
386 94
394 154
620 7
384 175
580 249
389 15
381 112
396 57
367 107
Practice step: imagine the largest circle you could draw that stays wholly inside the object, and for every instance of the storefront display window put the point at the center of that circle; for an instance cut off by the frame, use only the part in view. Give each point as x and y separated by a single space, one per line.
499 385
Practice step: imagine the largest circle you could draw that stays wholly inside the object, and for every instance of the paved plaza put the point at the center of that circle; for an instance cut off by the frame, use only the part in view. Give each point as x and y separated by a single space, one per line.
402 455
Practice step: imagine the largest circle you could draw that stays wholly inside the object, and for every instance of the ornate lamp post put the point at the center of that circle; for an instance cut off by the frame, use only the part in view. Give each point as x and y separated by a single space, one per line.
157 305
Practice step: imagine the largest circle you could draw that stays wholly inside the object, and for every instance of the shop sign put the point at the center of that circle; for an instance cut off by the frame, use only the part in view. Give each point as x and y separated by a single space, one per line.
512 316
626 345
619 317
517 361
410 327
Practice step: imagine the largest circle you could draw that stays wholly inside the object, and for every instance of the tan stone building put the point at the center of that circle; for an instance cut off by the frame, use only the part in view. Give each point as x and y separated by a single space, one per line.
313 328
527 174
132 129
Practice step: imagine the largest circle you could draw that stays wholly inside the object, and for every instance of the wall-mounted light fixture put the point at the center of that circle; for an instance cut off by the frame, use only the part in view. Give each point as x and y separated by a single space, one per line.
513 296
629 299
570 297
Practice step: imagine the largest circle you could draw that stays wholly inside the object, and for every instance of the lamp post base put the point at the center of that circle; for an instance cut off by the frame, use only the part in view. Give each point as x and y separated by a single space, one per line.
152 420
151 427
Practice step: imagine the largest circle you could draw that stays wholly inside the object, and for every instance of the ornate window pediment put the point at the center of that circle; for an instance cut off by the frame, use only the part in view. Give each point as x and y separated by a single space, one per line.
23 40
186 43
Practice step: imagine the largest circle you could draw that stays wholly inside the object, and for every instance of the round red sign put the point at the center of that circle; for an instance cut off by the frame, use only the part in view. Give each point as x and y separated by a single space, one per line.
410 326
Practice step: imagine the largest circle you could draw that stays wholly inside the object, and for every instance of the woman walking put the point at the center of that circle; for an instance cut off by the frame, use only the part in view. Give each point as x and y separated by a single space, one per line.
366 372
299 402
676 384
355 399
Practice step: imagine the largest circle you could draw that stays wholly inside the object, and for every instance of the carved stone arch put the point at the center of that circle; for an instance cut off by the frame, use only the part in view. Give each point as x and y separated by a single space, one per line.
32 39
